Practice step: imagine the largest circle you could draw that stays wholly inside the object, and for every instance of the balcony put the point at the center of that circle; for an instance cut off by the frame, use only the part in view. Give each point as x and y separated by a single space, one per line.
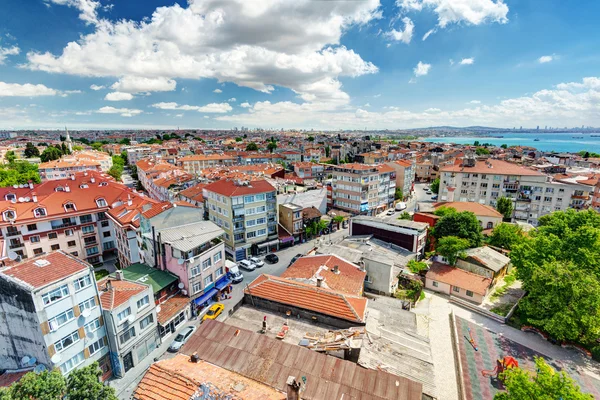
14 232
16 245
63 225
580 197
90 243
239 218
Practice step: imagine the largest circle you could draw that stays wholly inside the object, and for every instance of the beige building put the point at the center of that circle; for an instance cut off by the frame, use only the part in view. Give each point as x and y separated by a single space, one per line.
456 282
195 163
405 174
290 217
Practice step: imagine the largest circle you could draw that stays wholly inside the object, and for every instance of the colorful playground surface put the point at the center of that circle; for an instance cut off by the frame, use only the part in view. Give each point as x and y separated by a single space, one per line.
492 347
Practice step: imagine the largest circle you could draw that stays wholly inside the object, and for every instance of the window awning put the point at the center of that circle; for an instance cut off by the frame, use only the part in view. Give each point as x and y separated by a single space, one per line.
271 243
205 297
222 283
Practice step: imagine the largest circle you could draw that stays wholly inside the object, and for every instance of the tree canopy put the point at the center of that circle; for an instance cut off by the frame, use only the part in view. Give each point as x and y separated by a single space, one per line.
504 205
506 235
435 185
31 151
271 146
251 147
18 173
50 154
451 248
460 224
545 384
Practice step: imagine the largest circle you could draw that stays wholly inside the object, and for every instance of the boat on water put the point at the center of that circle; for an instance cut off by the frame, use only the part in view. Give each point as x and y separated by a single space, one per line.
536 140
577 137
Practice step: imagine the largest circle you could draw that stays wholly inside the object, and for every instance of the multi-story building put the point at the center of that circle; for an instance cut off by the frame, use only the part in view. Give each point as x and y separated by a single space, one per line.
534 194
291 218
409 235
135 154
363 189
162 180
129 314
405 175
63 168
68 214
51 315
247 212
194 164
309 170
425 171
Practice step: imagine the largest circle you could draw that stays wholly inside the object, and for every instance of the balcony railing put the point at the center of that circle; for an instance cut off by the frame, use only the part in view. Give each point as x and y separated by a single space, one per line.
16 245
13 233
64 225
86 244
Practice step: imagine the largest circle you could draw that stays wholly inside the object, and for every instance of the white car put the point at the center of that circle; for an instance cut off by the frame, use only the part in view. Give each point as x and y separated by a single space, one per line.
426 188
257 261
247 265
391 211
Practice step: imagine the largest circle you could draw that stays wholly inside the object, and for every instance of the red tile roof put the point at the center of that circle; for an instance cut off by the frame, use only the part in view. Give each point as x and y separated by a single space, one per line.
118 292
309 297
498 168
172 307
162 384
8 378
476 208
350 279
457 277
125 214
61 265
229 188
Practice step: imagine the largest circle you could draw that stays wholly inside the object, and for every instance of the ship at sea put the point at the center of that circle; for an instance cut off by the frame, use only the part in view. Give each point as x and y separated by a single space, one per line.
536 140
577 137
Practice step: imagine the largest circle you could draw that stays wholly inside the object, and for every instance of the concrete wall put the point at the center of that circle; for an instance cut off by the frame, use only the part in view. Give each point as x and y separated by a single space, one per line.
474 268
449 290
381 276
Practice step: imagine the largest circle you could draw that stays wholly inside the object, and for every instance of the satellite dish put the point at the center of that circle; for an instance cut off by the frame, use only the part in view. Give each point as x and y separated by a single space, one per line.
180 285
21 199
27 199
56 358
16 186
90 335
86 313
32 361
191 259
158 309
39 369
25 360
131 318
180 261
12 255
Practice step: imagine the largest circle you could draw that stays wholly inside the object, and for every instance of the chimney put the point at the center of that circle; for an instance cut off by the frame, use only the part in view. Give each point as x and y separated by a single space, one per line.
67 188
108 286
72 177
34 197
129 201
92 179
293 388
30 185
194 357
319 281
336 269
119 275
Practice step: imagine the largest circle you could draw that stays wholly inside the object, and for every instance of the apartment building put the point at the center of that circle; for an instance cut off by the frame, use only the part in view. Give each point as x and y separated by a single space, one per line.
51 315
129 312
247 212
135 154
68 214
64 168
162 180
534 193
194 164
362 189
409 235
405 175
309 170
291 218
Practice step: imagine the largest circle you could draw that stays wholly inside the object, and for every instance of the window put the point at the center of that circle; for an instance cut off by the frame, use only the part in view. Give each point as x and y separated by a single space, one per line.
55 295
91 251
490 225
69 232
261 232
72 363
143 302
106 234
66 341
206 264
219 272
32 227
146 321
217 257
34 239
87 304
469 293
82 282
87 229
104 224
55 247
455 289
101 202
75 253
208 280
38 251
195 271
197 287
85 219
69 207
434 283
60 320
251 235
96 346
71 243
261 221
52 235
127 335
92 326
39 212
10 197
123 314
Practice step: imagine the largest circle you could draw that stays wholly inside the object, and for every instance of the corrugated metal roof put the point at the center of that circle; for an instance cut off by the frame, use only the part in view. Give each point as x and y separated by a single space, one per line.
488 257
190 236
270 361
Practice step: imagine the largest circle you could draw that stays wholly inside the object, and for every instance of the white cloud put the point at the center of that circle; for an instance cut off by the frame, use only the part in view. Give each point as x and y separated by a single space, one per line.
377 95
87 8
217 91
96 87
421 69
206 116
118 96
473 12
65 93
405 35
474 102
26 90
8 51
366 105
178 115
124 112
545 59
83 112
429 33
232 100
138 84
258 45
467 61
209 108
245 105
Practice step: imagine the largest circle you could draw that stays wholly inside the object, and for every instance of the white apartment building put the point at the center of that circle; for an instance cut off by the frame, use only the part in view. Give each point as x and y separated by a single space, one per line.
51 315
534 193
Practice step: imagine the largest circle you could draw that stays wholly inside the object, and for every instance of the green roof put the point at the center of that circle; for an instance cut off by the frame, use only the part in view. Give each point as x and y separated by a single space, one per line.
145 274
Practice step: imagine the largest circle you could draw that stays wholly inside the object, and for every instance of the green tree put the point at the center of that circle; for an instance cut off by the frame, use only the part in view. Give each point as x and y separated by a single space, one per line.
18 173
504 146
97 146
116 171
504 205
481 151
416 266
251 147
238 139
311 138
338 219
451 248
10 156
31 151
271 146
77 148
435 185
398 195
443 211
125 141
406 216
506 236
476 143
327 151
47 385
84 384
545 384
166 136
50 154
461 224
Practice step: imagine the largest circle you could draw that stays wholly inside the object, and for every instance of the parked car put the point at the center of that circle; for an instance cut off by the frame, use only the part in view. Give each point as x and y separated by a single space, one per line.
214 311
434 197
428 192
256 261
235 275
272 258
297 256
247 265
391 211
181 338
426 188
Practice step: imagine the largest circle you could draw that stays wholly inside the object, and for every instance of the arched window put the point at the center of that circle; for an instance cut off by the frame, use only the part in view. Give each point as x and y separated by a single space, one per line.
9 215
101 202
39 212
69 207
490 225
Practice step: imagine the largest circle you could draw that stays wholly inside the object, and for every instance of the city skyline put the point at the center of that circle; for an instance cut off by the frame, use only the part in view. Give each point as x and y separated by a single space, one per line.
323 65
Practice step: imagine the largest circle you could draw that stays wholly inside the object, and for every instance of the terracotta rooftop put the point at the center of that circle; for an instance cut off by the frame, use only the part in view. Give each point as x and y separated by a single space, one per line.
230 188
311 212
172 307
457 277
60 266
309 297
498 167
476 208
118 292
349 280
8 378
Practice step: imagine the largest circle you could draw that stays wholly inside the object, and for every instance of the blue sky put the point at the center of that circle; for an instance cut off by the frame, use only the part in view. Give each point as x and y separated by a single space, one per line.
277 64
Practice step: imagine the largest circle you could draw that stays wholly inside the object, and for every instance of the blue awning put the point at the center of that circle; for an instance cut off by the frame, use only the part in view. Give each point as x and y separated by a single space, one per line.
205 297
223 282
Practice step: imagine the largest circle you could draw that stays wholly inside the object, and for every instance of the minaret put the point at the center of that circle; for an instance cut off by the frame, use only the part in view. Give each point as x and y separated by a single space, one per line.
68 141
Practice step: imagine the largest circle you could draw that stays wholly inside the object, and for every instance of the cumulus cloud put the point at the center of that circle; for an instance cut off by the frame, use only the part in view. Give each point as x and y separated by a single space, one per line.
467 61
96 87
473 12
26 90
139 84
124 112
88 9
217 91
475 102
209 108
275 43
421 69
405 35
245 105
232 100
8 51
118 96
545 59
